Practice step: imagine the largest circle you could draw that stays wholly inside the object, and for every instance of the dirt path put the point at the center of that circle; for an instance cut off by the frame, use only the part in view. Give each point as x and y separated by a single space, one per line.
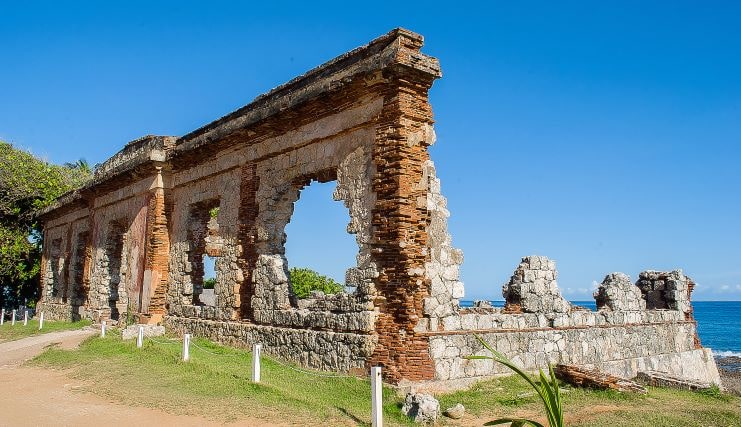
42 397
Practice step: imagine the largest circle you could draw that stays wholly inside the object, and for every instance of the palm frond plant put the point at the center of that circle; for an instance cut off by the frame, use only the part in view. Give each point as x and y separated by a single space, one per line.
546 389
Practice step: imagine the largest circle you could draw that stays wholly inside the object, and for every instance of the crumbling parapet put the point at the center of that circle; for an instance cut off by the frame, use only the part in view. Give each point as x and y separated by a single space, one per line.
533 288
618 293
666 290
443 267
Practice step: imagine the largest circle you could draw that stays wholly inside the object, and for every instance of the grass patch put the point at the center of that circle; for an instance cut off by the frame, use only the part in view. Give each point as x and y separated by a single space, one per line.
216 384
10 332
511 396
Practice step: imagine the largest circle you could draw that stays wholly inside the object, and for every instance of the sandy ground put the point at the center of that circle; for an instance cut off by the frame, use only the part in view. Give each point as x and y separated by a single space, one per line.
43 397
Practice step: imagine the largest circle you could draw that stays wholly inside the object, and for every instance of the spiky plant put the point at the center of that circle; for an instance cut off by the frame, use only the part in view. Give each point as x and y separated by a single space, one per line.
546 389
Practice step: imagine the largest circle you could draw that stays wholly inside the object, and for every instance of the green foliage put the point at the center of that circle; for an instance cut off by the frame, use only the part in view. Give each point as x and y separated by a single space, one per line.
713 392
213 212
305 280
27 185
546 388
209 283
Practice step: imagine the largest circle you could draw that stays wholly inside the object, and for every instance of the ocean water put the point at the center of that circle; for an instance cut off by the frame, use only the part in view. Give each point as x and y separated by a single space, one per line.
718 323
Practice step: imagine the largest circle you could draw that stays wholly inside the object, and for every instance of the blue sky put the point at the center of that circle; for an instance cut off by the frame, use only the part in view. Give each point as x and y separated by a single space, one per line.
605 135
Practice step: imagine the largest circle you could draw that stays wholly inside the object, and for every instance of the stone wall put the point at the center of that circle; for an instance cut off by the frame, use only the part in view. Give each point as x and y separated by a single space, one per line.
622 337
131 242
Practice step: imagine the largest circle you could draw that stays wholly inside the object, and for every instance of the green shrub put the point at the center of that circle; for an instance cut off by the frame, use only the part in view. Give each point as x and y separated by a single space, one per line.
305 280
209 283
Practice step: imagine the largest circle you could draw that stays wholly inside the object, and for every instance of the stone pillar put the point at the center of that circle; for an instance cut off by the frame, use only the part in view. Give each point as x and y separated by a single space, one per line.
247 235
400 220
618 293
533 288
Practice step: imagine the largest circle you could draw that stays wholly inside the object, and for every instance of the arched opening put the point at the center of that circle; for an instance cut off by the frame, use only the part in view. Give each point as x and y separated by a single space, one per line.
113 260
317 240
205 249
77 295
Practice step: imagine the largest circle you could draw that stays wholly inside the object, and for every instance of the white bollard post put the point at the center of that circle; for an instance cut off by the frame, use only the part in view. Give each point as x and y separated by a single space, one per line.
2 318
41 320
376 397
25 317
102 329
140 337
256 349
12 322
186 347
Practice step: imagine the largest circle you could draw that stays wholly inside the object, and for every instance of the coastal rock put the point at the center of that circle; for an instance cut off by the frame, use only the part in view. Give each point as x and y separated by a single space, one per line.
455 412
421 407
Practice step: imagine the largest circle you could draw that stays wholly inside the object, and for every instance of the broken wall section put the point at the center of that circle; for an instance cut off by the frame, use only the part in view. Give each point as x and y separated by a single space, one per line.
537 327
533 288
64 263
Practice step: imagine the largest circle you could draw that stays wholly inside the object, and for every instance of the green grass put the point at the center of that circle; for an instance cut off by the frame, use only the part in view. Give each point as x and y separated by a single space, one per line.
10 332
510 396
218 386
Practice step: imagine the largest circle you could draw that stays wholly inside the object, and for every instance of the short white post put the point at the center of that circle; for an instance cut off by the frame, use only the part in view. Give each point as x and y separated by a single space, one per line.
102 329
376 397
12 322
186 347
41 320
256 362
2 318
25 317
140 337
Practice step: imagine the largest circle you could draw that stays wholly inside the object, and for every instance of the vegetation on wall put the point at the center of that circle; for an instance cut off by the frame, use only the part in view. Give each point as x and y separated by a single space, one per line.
305 280
27 185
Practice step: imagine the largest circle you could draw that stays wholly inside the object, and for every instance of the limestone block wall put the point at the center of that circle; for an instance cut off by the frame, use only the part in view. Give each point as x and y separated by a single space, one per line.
622 337
65 258
252 268
118 251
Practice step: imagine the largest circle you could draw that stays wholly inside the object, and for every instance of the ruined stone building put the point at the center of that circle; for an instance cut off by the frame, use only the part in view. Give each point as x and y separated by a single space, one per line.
130 243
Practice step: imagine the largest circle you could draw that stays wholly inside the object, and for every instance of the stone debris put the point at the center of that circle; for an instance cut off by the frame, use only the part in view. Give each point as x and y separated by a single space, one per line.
593 378
663 379
132 331
455 412
618 293
533 288
421 407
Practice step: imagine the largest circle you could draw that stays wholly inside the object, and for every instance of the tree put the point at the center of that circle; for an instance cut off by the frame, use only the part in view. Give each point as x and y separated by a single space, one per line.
27 185
305 280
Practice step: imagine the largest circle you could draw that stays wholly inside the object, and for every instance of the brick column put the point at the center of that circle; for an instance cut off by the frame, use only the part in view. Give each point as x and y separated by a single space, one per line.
400 220
154 290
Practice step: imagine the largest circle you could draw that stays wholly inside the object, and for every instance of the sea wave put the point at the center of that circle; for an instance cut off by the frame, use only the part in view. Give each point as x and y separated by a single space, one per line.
726 353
